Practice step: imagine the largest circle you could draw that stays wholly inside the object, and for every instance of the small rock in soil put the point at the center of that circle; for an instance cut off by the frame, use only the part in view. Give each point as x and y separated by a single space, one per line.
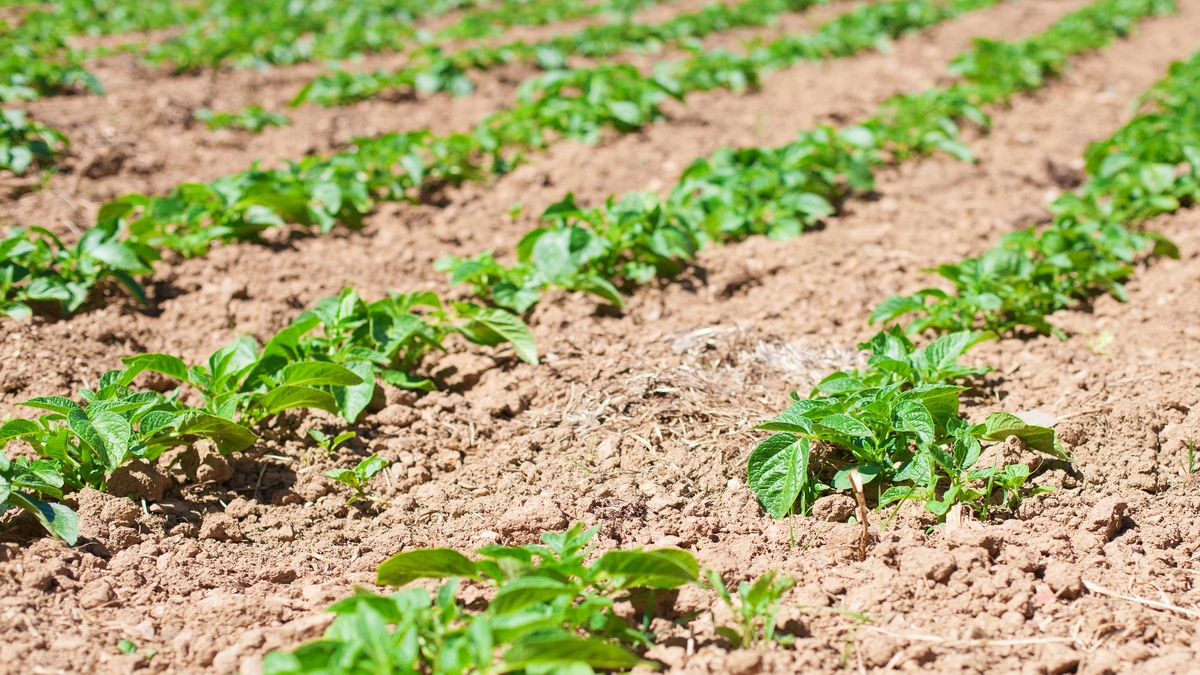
213 467
138 478
397 416
95 594
927 564
1105 517
1064 579
1059 659
220 526
121 538
834 508
535 515
457 372
743 662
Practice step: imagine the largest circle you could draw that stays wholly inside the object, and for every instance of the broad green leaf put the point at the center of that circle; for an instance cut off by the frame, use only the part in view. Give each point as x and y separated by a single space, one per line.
171 366
228 436
290 397
317 373
846 425
56 404
1000 425
777 471
17 428
520 593
505 326
58 519
116 434
435 563
353 399
564 648
660 568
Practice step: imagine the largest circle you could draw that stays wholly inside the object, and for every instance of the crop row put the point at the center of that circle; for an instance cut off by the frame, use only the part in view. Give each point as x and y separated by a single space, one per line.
632 96
330 358
896 423
431 69
131 232
778 192
37 61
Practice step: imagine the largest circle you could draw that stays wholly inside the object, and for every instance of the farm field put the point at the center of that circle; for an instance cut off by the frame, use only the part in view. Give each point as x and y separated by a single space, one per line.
884 311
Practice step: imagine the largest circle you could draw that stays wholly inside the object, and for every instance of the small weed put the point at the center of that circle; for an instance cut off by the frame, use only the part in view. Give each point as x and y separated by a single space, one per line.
358 477
330 444
1099 344
755 611
1189 465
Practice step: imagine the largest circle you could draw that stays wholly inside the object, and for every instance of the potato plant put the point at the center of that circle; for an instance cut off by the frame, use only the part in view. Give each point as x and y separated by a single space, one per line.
897 425
551 612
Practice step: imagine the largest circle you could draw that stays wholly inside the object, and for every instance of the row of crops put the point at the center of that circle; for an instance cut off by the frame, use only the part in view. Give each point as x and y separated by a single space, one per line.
895 424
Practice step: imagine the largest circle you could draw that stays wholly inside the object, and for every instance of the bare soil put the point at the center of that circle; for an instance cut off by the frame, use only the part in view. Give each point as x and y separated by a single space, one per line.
639 420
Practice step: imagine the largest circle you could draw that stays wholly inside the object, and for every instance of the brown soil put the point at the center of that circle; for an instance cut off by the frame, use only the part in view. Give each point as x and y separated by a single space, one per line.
640 420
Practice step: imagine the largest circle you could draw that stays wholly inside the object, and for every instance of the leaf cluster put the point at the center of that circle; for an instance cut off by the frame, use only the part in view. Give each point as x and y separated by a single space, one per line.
80 443
551 612
284 32
26 143
896 423
251 118
332 355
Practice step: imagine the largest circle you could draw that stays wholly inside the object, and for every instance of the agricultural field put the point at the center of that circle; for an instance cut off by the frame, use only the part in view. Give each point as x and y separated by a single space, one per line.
564 336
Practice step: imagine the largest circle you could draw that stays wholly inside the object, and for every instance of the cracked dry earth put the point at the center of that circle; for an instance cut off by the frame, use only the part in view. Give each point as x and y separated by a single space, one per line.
640 420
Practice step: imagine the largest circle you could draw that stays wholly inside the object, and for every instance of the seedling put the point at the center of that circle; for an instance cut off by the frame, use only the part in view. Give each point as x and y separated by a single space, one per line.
755 610
330 444
252 118
1189 464
1099 344
358 477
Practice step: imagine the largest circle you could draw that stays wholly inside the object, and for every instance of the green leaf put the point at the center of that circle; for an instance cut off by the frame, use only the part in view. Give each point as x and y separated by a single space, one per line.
436 563
17 428
660 568
290 397
171 366
1000 425
777 471
56 404
846 425
352 400
503 326
228 436
116 434
317 373
520 593
58 520
564 648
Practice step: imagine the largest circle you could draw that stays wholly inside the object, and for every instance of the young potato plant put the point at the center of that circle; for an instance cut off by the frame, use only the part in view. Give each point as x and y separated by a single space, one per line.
25 143
336 369
21 480
633 240
82 443
895 423
252 118
431 69
37 267
1135 174
550 612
